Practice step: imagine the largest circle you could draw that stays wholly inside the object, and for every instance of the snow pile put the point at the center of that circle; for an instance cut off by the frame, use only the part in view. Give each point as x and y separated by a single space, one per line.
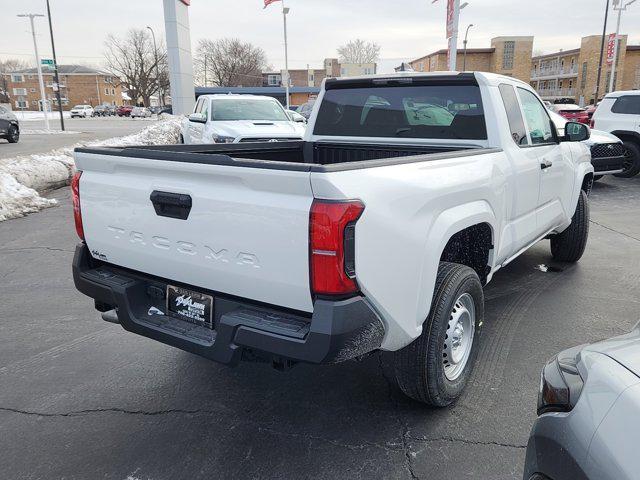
30 115
16 200
21 178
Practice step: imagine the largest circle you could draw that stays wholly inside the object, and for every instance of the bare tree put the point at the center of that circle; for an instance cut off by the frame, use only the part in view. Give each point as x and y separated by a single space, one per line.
6 67
229 62
132 59
359 51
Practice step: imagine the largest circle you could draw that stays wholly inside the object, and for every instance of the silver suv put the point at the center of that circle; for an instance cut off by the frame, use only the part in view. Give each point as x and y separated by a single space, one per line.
9 126
619 114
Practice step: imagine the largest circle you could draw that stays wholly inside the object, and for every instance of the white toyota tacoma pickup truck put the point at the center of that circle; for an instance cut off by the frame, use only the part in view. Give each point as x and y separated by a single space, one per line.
377 231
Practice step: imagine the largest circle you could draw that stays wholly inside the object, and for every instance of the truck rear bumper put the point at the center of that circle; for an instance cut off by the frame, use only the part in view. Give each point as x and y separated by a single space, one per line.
335 331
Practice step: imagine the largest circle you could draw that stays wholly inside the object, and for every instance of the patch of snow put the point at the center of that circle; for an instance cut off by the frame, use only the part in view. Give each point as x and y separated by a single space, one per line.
16 200
48 132
28 115
21 178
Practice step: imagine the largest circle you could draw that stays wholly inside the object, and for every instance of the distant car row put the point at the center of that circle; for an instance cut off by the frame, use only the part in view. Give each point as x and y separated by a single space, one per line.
84 111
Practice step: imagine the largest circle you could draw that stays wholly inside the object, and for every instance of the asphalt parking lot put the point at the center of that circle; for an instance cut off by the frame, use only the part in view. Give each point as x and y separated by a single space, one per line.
85 129
81 398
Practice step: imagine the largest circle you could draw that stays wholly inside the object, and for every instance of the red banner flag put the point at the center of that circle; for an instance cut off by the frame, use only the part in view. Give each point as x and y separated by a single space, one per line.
269 2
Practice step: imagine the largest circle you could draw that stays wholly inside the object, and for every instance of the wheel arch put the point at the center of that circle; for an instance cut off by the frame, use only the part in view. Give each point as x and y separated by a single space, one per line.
449 223
627 136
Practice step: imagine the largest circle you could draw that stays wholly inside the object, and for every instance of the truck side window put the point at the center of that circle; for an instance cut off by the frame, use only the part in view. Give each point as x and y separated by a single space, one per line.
514 116
538 120
198 106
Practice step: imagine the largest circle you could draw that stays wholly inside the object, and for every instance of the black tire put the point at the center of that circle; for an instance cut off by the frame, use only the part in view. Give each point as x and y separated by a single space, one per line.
569 245
420 366
181 139
13 134
597 177
631 160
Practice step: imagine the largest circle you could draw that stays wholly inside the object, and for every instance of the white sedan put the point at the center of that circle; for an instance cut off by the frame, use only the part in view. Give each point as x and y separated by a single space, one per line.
83 111
240 118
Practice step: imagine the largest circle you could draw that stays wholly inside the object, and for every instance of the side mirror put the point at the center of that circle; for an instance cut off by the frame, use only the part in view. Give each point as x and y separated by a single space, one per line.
576 132
198 118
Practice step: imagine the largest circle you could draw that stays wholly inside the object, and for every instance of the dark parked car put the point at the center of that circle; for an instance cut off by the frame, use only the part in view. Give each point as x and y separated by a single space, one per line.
9 125
589 414
306 108
124 110
572 112
101 111
166 109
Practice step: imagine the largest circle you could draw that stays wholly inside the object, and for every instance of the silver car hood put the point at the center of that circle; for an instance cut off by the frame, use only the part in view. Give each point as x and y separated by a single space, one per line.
624 349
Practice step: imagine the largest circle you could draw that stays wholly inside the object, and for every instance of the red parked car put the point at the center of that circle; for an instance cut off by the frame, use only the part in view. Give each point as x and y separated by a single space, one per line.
124 110
572 112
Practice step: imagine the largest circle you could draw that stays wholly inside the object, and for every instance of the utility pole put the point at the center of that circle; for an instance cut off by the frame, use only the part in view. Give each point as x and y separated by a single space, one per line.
155 55
285 11
464 57
604 34
43 98
56 78
617 6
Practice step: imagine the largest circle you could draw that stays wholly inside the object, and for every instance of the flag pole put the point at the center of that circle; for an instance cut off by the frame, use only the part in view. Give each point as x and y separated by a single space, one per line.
285 10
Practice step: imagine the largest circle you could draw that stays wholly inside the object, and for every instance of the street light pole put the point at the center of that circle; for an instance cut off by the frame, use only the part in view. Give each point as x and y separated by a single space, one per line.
604 33
464 57
285 11
617 6
56 78
43 97
155 55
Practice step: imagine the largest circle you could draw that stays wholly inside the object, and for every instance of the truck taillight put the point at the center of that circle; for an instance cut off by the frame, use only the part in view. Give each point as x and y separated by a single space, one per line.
77 213
332 245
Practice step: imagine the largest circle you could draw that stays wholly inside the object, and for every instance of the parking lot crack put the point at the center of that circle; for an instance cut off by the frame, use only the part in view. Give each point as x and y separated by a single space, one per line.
466 441
616 231
407 452
79 413
22 249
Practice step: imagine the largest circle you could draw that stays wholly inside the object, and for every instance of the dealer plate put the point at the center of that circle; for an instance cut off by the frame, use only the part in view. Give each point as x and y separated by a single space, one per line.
190 306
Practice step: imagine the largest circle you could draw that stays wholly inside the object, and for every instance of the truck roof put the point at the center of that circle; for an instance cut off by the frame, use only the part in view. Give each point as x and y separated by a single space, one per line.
485 78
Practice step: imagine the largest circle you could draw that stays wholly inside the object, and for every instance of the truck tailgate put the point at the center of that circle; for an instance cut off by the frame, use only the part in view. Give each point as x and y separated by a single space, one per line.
246 233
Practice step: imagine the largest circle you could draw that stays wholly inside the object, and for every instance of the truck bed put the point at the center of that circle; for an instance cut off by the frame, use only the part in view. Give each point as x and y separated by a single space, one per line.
295 155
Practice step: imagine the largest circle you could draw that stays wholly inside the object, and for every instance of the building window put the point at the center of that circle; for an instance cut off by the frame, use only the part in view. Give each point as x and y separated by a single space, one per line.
106 91
636 82
570 84
19 91
421 66
21 103
17 78
583 80
311 77
343 71
32 90
507 55
573 65
274 80
108 79
113 91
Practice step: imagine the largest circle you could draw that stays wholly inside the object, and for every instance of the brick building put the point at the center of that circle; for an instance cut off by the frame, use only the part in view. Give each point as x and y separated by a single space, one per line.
78 85
507 55
572 74
313 77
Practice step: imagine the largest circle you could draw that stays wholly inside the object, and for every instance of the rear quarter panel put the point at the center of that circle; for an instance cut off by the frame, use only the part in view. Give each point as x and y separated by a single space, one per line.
411 211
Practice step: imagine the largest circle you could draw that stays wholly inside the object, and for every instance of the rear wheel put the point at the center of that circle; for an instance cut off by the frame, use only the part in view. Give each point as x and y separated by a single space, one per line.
13 135
631 163
436 366
569 245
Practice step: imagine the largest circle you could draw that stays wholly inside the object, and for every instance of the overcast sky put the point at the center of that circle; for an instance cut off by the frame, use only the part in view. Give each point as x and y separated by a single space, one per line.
405 29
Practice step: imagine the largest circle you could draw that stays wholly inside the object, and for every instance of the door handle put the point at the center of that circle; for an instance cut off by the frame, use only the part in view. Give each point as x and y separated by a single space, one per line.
546 164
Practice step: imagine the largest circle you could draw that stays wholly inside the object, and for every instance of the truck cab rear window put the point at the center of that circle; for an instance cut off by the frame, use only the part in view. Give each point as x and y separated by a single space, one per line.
424 111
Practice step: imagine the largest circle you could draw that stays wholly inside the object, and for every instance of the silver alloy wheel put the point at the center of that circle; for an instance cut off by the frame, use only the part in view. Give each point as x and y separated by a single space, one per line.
459 337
